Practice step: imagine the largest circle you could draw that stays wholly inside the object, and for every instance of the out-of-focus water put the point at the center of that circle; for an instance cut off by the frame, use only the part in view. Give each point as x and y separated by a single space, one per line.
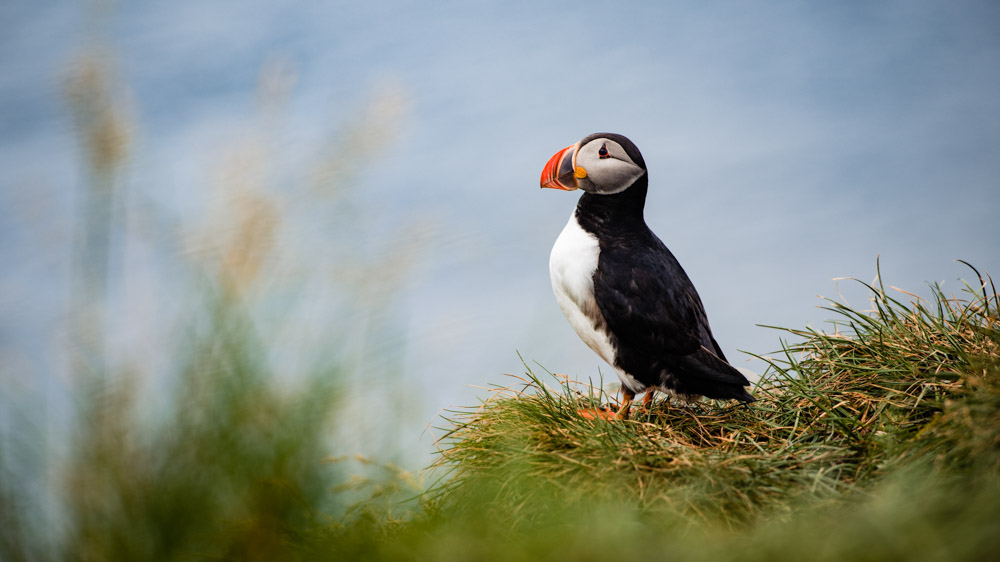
787 144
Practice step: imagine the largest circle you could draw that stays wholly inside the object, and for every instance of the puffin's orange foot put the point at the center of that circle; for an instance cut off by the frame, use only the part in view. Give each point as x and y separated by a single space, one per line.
598 413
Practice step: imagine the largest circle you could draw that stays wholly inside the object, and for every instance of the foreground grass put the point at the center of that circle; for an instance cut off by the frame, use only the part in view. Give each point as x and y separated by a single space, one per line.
878 441
903 385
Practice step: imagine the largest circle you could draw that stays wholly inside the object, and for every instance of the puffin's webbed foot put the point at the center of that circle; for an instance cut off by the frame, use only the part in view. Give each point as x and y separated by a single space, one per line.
597 413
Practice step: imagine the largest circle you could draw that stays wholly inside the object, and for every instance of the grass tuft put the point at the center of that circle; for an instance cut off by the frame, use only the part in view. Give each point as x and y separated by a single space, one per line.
910 383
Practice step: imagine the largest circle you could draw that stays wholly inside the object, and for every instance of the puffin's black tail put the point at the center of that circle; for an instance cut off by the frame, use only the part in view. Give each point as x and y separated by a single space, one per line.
702 372
733 392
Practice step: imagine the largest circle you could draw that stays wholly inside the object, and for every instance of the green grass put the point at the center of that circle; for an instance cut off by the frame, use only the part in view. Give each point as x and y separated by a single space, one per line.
879 440
898 407
229 470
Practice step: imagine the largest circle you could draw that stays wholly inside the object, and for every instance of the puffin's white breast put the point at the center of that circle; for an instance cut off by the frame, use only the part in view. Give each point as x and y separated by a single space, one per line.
571 267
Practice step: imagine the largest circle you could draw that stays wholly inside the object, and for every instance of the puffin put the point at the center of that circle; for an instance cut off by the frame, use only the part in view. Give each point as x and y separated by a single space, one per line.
622 290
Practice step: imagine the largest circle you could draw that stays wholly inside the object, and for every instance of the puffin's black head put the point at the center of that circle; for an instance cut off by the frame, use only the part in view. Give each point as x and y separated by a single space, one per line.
602 163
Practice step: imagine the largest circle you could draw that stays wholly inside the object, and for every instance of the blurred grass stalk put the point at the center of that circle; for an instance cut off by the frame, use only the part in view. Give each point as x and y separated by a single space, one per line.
103 124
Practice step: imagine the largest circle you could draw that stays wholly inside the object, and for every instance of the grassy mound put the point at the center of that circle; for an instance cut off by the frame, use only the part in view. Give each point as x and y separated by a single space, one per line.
892 421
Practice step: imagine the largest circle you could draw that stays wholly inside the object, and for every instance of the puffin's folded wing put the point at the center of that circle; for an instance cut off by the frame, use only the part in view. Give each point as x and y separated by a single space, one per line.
654 307
656 312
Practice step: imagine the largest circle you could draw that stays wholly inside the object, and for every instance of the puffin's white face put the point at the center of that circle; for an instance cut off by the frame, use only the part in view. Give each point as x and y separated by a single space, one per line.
608 168
600 166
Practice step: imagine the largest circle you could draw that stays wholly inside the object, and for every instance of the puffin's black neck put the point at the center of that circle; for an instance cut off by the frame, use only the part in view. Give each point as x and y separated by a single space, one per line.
619 210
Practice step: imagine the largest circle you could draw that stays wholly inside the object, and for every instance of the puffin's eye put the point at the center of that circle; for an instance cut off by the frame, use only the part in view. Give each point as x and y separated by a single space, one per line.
603 152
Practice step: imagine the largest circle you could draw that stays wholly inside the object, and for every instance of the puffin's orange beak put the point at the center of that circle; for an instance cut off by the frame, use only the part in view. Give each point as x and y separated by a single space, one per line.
559 172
